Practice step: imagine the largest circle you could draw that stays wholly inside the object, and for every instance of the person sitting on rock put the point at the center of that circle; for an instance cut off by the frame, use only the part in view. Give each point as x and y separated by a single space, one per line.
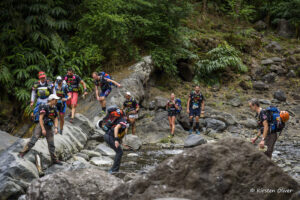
62 91
172 108
104 82
48 118
131 108
266 125
73 82
115 126
195 108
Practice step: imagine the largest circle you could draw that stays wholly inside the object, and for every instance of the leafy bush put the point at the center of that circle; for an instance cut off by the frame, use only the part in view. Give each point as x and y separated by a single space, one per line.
217 60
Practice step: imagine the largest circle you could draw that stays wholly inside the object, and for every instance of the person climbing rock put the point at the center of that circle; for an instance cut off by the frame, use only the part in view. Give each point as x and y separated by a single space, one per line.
62 91
270 121
115 126
195 108
47 119
41 90
73 82
172 108
131 108
103 81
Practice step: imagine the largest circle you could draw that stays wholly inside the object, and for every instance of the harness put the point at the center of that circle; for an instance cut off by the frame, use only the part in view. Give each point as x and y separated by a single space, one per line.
50 114
43 91
61 92
130 104
72 83
196 100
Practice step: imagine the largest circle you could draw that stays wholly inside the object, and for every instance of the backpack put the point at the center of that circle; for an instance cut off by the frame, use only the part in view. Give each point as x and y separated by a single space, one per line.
178 102
105 75
274 120
113 113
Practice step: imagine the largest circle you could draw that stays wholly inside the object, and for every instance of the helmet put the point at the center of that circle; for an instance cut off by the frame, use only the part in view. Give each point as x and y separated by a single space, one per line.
59 79
99 124
284 115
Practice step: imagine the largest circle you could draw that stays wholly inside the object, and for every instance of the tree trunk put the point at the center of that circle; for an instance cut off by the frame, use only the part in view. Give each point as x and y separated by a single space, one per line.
204 7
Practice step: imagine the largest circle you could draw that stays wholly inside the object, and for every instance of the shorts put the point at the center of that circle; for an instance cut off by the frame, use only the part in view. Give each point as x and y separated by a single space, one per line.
61 107
195 112
105 92
172 113
134 116
74 98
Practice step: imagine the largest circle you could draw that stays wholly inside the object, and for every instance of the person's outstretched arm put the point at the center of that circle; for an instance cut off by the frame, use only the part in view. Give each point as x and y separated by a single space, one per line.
114 82
84 87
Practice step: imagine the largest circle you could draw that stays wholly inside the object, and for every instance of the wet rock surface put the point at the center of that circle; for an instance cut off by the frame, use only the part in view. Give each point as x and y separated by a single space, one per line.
185 175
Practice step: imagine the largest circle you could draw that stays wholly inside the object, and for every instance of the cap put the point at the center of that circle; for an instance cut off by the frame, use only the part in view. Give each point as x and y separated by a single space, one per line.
128 93
59 78
42 74
53 96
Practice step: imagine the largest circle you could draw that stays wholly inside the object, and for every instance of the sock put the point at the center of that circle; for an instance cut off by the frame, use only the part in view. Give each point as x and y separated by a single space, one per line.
104 109
197 125
191 124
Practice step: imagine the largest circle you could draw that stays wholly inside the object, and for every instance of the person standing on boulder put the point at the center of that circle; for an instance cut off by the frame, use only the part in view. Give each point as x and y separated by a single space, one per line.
41 90
131 108
61 90
73 82
47 119
172 108
115 126
104 82
195 108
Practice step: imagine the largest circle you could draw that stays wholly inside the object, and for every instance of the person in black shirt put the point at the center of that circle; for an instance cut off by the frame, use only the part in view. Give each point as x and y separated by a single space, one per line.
268 138
131 108
172 108
47 119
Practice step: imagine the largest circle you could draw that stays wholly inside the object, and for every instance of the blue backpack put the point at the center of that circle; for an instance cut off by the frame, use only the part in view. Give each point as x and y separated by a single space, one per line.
178 102
274 120
105 75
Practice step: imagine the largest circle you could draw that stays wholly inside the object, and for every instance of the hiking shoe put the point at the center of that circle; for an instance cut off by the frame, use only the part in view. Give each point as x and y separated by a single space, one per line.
60 131
110 171
198 132
170 136
190 131
21 154
102 112
57 162
71 120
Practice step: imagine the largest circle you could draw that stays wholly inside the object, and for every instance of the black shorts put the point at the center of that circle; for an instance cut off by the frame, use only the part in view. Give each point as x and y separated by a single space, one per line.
172 113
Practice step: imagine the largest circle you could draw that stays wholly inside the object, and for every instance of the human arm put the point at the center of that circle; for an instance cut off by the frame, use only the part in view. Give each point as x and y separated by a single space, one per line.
56 125
114 82
253 140
41 120
97 92
188 105
117 139
33 96
84 87
265 133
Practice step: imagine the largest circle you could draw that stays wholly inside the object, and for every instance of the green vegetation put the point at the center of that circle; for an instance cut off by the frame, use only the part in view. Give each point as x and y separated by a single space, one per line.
91 35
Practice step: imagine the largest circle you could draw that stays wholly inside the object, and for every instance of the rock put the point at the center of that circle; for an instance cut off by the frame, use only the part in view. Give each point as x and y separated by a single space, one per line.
132 155
101 161
105 150
291 74
292 60
80 184
267 62
17 173
6 140
280 95
214 124
274 47
296 96
92 144
296 110
249 123
278 69
276 59
76 165
186 71
260 25
259 85
235 102
265 101
194 140
160 102
151 105
270 77
82 155
132 141
245 85
91 153
284 29
234 168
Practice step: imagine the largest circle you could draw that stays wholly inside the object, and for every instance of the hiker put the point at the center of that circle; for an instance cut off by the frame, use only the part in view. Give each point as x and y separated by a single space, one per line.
172 107
103 81
270 121
115 126
47 119
62 91
41 90
73 82
195 108
131 108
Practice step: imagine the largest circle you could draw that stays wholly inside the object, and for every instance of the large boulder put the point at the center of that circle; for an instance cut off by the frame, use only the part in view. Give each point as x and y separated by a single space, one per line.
270 77
194 140
17 173
215 124
80 184
280 95
274 47
6 140
229 169
160 102
132 141
105 150
259 85
249 123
